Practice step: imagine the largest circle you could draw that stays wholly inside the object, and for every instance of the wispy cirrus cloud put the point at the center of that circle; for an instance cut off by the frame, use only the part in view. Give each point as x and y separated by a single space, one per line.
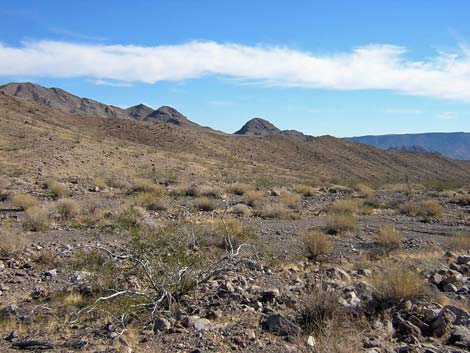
372 67
447 116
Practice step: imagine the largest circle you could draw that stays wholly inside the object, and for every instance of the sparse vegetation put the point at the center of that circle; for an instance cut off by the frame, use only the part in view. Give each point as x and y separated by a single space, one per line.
427 209
204 204
67 209
291 200
397 283
304 190
24 201
339 222
56 189
37 219
389 238
12 242
241 209
271 210
239 188
317 244
345 206
252 197
460 242
365 190
151 201
145 185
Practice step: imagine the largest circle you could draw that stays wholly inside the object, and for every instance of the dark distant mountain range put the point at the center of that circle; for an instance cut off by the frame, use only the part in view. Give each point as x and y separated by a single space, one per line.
453 144
59 99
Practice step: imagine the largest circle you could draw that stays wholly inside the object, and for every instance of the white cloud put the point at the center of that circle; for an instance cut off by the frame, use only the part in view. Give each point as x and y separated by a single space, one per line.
101 82
403 111
374 67
447 116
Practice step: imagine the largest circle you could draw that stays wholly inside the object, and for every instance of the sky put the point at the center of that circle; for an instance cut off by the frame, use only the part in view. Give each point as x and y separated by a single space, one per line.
342 68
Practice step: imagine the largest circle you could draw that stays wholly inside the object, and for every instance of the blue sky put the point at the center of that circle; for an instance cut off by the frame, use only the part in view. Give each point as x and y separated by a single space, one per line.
342 68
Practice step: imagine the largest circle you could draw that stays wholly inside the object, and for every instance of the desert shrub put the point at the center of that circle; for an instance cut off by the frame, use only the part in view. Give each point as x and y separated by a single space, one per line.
345 206
336 189
145 185
24 201
57 189
36 219
151 201
339 222
100 183
271 210
67 208
291 200
241 209
389 238
12 242
365 190
397 283
210 191
317 244
4 186
220 230
204 204
427 209
252 197
239 188
304 190
322 311
460 242
129 217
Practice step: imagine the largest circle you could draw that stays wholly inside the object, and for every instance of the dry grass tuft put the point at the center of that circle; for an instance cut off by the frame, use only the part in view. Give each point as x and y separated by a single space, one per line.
304 190
57 189
461 199
4 186
339 222
145 185
204 204
427 210
239 188
253 197
271 211
100 183
210 191
317 244
397 283
24 201
151 201
241 209
67 209
12 242
345 206
460 242
36 219
291 200
365 190
389 238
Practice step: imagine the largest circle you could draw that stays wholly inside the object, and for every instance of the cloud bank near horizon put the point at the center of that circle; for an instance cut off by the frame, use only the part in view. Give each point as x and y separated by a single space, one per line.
371 67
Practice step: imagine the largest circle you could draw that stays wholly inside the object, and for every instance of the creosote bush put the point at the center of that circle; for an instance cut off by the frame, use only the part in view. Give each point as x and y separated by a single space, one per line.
389 238
317 244
24 201
397 283
36 219
252 197
151 201
67 209
204 204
